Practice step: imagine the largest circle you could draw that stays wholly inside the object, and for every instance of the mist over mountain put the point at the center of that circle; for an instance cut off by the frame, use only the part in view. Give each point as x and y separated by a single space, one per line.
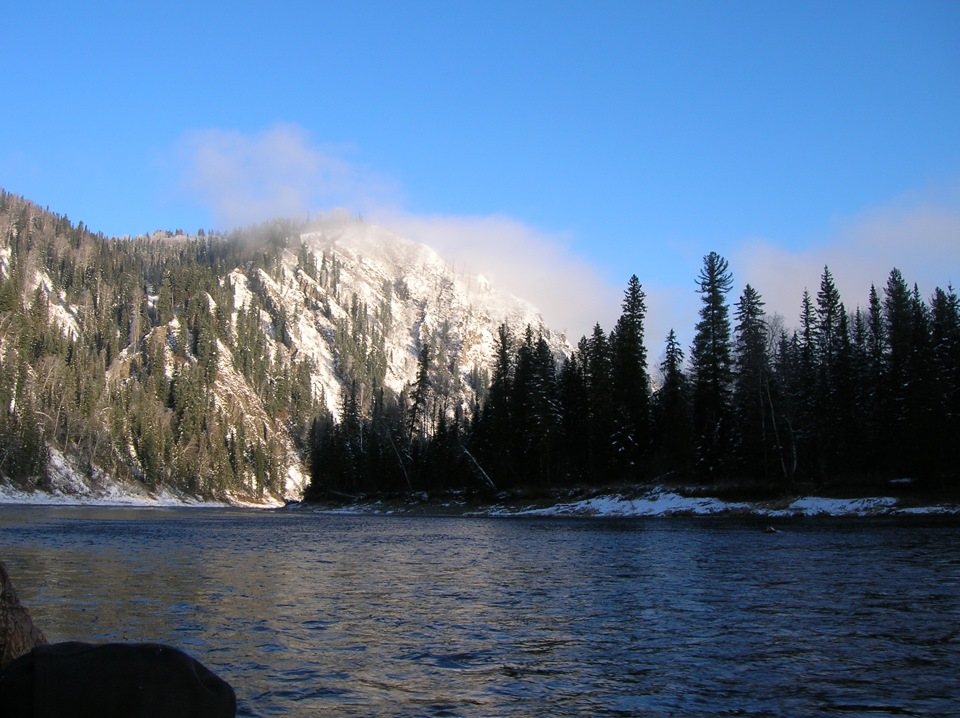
198 365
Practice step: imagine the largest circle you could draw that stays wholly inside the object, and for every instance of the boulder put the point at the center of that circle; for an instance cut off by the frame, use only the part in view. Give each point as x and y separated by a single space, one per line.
18 635
110 680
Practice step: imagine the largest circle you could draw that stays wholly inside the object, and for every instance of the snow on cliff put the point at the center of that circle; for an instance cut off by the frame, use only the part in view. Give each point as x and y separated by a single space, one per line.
412 294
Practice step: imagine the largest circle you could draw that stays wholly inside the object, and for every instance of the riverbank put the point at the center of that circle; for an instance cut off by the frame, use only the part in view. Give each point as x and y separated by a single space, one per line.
65 485
636 501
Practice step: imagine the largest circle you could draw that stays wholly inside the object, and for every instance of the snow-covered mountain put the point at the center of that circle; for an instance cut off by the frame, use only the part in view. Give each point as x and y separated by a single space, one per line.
184 360
407 291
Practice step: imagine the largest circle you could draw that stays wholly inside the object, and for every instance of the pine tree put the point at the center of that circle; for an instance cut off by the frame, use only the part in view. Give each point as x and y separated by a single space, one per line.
873 395
711 368
920 416
788 403
535 414
523 401
546 413
631 386
802 387
751 399
599 383
673 441
419 413
826 327
495 429
898 317
574 408
830 343
945 350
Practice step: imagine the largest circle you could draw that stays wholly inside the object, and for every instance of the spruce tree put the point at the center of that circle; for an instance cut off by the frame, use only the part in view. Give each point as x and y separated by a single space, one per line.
826 327
630 382
599 382
751 387
574 412
419 414
495 427
545 403
898 317
673 445
802 386
873 395
920 416
945 350
830 350
711 368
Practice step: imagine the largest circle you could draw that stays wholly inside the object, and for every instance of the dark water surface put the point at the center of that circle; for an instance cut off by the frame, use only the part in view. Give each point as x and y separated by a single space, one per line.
311 615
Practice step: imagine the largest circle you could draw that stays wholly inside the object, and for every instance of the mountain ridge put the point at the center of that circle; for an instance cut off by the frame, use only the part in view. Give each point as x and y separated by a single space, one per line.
198 363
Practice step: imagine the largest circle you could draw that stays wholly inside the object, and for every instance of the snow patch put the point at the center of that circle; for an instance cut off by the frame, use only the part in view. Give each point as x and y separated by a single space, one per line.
662 502
819 506
657 502
69 486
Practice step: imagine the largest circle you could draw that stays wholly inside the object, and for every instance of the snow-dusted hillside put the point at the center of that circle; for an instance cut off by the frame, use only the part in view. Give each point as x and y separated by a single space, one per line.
405 290
216 353
366 291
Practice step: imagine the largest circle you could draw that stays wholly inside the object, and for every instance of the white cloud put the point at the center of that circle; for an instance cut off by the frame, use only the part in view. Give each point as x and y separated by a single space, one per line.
244 178
920 236
537 266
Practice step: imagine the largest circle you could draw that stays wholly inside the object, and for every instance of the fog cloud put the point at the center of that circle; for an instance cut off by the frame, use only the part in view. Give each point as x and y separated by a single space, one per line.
245 178
918 236
538 266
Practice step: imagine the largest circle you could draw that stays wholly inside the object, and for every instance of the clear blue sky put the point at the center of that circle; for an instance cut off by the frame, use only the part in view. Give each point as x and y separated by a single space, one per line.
570 143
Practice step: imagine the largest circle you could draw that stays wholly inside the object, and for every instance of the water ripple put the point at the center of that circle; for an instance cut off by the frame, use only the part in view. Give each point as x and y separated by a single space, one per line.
356 616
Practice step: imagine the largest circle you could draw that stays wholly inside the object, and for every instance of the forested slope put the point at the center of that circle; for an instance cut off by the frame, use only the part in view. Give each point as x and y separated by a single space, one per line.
204 364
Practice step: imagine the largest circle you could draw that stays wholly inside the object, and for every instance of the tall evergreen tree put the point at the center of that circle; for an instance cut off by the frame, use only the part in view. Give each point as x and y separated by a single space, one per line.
495 427
673 441
599 382
873 394
826 327
831 361
751 395
711 367
574 414
419 411
920 416
631 387
536 419
945 350
898 328
800 385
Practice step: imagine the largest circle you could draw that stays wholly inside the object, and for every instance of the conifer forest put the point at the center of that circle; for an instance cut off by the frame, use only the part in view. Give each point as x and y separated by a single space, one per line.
849 399
158 377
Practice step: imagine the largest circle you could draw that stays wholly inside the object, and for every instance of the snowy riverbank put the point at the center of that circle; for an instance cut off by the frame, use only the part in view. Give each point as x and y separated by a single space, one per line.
66 486
655 501
665 503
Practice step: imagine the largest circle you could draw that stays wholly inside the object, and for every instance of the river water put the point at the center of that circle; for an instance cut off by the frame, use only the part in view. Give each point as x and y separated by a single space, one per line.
309 614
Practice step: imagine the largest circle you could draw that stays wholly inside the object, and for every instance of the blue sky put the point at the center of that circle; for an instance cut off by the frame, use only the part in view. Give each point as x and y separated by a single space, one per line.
557 147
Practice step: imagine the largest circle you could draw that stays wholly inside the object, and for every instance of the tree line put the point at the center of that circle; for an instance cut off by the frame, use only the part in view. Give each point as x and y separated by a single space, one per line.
848 399
134 358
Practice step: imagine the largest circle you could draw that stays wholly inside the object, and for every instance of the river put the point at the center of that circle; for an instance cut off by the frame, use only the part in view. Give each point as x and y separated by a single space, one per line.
308 614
